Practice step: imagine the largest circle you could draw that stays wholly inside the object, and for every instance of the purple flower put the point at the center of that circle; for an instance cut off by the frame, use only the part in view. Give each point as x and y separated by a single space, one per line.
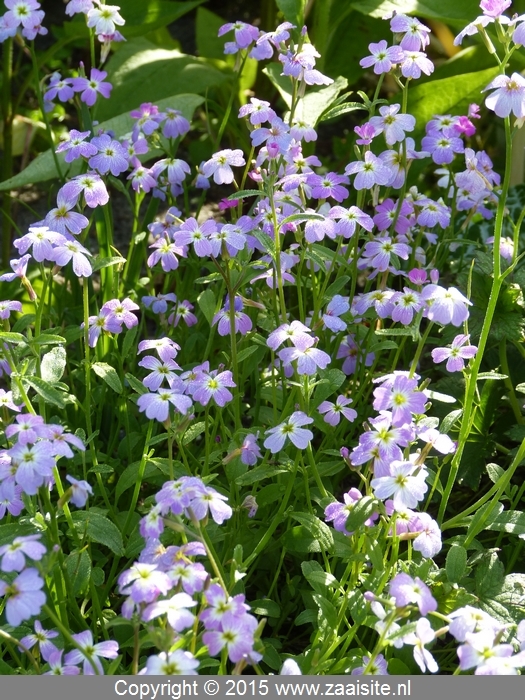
209 498
156 404
308 357
405 483
76 146
95 85
80 491
72 250
63 220
494 8
235 635
13 555
424 634
176 610
445 305
111 157
416 63
104 18
61 87
214 387
392 124
508 95
333 412
91 185
166 252
378 668
242 321
175 125
10 498
382 444
24 597
349 219
54 658
42 240
377 253
406 303
191 232
245 34
176 663
166 348
339 512
6 307
442 146
222 608
160 371
402 397
328 185
122 311
219 165
383 57
144 583
89 653
407 590
34 464
415 33
428 542
456 354
370 171
40 637
294 331
292 429
19 268
250 451
336 307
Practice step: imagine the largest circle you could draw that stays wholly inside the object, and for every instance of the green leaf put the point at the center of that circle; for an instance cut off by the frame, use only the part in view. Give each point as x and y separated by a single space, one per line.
449 95
129 339
53 364
265 240
207 304
11 530
327 610
375 553
362 510
444 11
49 339
456 563
483 518
490 575
78 567
339 110
512 522
99 529
266 607
293 10
108 374
142 72
242 194
100 263
129 476
317 577
301 217
207 25
506 602
47 391
135 384
259 474
14 338
144 17
330 381
193 432
247 352
317 528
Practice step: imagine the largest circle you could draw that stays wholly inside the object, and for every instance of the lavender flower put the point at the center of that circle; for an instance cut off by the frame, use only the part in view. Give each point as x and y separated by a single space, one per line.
456 354
508 95
89 89
406 483
13 555
176 663
89 653
407 590
24 597
292 429
219 165
80 491
383 57
333 412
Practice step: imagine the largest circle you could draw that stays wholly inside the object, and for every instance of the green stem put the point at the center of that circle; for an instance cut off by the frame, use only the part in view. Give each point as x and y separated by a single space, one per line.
140 477
7 156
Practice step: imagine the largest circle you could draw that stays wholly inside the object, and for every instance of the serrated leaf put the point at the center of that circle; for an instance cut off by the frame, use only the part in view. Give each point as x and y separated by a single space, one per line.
507 602
456 563
108 374
207 304
53 364
99 529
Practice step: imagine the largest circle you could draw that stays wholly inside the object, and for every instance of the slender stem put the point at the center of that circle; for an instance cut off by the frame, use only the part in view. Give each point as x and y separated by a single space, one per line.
7 156
140 477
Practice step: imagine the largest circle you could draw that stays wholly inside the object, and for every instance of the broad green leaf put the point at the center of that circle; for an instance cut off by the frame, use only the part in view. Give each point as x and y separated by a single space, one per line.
331 380
486 515
99 529
247 352
47 391
207 25
144 17
489 575
293 11
100 263
129 476
447 96
207 304
374 551
108 374
258 474
242 194
266 607
362 510
53 364
141 72
456 564
193 432
11 530
49 339
78 567
446 10
327 611
14 338
512 522
42 168
135 384
316 527
506 602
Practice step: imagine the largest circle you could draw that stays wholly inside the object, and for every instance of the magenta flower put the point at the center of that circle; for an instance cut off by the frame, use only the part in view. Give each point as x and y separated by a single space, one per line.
219 165
383 57
407 590
333 412
89 653
508 95
292 429
24 597
494 8
456 354
89 89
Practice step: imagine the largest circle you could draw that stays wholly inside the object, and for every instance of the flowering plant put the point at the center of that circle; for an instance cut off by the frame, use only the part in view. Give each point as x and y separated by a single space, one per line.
226 441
